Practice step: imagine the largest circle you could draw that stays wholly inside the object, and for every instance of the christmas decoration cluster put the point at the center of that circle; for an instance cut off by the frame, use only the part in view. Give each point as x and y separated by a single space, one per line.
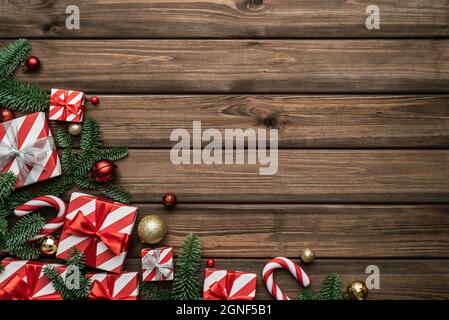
92 233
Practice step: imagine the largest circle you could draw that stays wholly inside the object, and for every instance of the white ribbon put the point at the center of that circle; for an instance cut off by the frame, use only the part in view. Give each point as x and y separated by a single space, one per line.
28 156
151 261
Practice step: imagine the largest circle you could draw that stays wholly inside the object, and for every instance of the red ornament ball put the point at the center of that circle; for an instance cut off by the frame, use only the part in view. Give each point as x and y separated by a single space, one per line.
169 200
94 100
32 63
103 171
210 263
6 115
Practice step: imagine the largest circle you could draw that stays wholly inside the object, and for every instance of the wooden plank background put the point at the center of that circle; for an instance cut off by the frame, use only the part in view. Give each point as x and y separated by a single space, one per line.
363 120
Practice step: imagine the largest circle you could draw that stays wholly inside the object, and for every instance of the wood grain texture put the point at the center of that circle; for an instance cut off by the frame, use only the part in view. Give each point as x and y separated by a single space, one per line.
333 231
224 19
399 279
242 66
302 121
328 176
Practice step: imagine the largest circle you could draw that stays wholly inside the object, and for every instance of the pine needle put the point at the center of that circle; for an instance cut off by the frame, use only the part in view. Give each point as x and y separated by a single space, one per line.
22 96
12 56
186 285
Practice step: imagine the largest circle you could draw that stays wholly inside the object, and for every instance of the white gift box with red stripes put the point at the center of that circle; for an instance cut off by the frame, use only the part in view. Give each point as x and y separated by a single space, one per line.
122 286
229 285
66 105
28 150
37 286
116 222
157 264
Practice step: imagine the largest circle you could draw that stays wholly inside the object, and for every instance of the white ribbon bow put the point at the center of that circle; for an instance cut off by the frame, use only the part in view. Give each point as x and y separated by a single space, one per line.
28 156
151 261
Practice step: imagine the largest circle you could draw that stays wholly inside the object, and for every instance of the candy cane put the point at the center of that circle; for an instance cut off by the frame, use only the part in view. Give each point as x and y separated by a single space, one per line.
40 202
287 264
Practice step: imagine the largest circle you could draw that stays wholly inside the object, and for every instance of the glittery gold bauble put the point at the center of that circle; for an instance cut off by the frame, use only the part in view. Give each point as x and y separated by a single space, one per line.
75 129
151 229
357 290
307 256
48 245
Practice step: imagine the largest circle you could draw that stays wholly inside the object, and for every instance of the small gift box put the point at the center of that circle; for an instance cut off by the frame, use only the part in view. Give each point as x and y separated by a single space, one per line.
28 150
157 264
229 285
25 280
66 105
123 286
100 228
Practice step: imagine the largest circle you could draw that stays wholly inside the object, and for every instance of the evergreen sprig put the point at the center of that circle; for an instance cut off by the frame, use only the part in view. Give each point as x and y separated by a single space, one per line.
7 185
12 56
330 289
308 294
22 96
76 260
186 285
15 240
153 292
25 229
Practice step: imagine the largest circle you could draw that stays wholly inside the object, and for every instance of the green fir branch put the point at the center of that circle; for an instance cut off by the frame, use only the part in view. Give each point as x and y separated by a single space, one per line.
153 292
25 229
7 185
22 96
12 56
112 154
24 252
108 189
308 294
331 288
186 285
90 136
63 138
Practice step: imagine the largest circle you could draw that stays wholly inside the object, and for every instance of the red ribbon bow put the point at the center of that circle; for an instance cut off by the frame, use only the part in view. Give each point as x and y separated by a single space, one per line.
17 289
103 290
73 108
217 291
81 226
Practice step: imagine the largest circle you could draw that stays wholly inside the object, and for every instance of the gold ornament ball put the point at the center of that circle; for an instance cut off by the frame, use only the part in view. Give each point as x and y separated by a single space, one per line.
48 245
307 256
357 290
151 229
75 129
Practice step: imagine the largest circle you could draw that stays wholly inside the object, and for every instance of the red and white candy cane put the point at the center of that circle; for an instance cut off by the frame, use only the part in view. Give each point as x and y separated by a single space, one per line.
287 264
40 202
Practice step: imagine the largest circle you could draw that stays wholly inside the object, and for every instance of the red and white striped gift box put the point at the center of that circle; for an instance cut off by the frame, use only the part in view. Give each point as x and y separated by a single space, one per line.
102 219
28 276
229 285
157 264
123 286
38 158
66 105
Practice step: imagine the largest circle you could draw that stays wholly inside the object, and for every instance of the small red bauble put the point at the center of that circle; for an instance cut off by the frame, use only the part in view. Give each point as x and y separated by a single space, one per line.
6 115
94 100
32 63
169 200
103 171
210 263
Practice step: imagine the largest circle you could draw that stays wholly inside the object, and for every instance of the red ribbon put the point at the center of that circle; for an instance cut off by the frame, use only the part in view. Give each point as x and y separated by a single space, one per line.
73 108
102 291
81 226
217 291
17 289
